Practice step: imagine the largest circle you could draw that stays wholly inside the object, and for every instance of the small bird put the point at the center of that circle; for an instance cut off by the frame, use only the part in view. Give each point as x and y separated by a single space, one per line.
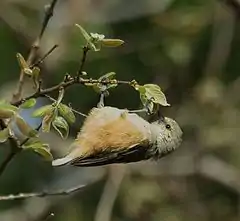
111 135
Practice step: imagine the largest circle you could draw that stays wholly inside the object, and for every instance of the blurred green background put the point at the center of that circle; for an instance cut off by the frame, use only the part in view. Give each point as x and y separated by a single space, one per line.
191 49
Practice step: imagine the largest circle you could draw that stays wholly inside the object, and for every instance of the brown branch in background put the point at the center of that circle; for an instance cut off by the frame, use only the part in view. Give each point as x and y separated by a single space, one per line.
222 35
42 194
234 4
13 151
34 49
110 192
15 147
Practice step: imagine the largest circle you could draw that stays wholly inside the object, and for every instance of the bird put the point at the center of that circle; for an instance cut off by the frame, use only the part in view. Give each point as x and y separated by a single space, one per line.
113 136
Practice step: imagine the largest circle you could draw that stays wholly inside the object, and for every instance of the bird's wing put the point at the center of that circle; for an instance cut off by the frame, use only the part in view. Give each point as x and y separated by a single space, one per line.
133 154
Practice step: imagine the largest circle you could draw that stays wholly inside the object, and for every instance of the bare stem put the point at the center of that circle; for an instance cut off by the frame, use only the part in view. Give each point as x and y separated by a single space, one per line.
42 194
66 84
34 49
15 146
40 61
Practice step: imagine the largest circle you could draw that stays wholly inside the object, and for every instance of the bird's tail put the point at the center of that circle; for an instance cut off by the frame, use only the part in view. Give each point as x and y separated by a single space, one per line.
62 161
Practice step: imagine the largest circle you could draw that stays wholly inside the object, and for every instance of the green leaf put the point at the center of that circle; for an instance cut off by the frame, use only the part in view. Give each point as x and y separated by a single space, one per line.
60 96
99 87
35 76
153 92
42 111
111 42
25 128
147 103
22 63
44 152
27 71
28 104
84 33
61 126
4 135
97 37
67 113
107 76
7 110
7 106
87 37
41 148
47 121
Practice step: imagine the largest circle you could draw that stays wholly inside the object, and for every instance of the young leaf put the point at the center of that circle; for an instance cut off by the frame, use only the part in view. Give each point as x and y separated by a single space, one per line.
87 37
25 128
61 126
7 110
22 63
42 111
84 33
154 92
107 76
40 148
4 134
47 121
97 37
6 113
35 76
60 96
111 42
147 103
67 113
28 104
99 87
44 152
27 71
7 106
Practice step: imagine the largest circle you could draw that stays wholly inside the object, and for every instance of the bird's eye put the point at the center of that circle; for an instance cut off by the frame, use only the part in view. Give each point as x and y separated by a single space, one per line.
168 126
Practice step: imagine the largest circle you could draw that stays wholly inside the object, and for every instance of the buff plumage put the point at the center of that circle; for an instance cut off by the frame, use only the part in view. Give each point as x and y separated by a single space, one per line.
111 135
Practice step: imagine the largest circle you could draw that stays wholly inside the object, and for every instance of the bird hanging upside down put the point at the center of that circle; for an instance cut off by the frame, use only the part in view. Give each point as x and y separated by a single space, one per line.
111 135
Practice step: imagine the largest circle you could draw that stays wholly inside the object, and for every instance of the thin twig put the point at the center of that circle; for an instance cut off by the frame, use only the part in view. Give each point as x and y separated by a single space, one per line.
66 84
40 61
73 110
42 194
34 49
15 147
27 139
83 61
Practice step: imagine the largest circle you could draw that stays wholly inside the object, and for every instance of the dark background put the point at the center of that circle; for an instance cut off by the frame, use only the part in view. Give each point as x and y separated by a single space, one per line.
191 49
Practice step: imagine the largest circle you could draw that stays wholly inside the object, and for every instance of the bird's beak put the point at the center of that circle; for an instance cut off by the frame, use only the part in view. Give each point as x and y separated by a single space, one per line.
161 118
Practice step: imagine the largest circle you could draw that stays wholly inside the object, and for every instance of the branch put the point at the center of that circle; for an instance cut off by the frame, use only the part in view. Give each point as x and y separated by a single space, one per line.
34 49
15 147
42 194
40 61
65 84
84 57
